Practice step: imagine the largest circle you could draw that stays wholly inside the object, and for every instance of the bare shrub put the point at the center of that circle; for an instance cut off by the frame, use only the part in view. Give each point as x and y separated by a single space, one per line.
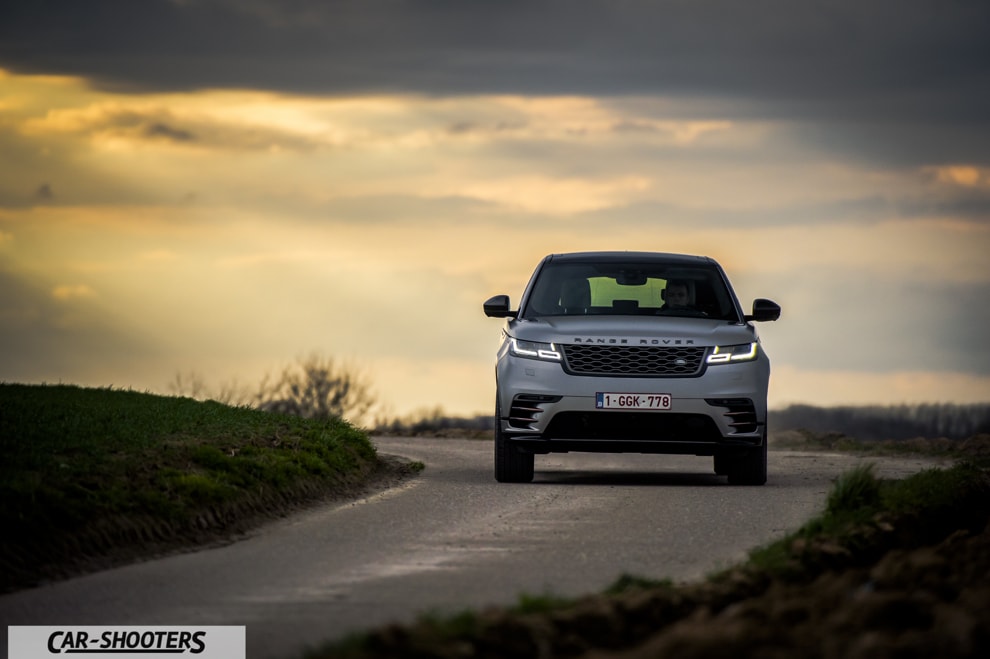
190 384
313 387
317 387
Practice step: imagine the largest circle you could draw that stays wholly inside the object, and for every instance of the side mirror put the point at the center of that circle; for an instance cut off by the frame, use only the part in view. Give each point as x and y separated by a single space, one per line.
498 307
764 310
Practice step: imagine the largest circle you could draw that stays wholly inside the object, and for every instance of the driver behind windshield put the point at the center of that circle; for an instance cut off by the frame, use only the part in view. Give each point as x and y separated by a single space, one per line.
676 296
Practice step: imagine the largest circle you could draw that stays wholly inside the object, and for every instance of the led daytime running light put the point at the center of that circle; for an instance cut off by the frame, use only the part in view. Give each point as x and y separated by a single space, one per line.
739 353
534 350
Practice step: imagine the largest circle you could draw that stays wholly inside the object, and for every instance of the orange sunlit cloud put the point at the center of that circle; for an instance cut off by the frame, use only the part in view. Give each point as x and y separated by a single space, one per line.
963 175
72 291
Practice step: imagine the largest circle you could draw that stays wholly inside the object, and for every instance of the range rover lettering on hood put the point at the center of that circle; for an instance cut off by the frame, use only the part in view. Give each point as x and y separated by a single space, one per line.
634 342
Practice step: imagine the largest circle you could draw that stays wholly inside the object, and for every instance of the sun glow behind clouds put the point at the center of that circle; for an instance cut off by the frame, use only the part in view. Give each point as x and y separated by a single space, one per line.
964 175
231 232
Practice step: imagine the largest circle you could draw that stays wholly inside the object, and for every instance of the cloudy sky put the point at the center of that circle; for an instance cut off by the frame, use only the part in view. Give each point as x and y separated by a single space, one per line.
222 186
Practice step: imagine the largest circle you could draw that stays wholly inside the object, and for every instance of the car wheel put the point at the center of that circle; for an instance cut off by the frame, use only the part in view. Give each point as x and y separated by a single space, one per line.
751 469
722 465
512 465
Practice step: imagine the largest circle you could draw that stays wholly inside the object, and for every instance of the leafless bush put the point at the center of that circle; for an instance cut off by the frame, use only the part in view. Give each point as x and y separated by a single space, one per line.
317 387
189 384
314 387
193 385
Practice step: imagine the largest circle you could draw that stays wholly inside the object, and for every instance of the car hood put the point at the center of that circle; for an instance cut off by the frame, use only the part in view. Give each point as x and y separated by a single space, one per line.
631 330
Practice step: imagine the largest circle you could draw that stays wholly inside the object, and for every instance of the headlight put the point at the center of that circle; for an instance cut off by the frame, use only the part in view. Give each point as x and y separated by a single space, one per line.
744 352
535 350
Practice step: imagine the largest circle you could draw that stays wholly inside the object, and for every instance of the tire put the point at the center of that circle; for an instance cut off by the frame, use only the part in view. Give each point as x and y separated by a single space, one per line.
512 465
751 469
722 465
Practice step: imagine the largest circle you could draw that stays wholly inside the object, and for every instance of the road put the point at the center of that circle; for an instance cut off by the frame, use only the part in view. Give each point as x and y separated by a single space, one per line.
453 538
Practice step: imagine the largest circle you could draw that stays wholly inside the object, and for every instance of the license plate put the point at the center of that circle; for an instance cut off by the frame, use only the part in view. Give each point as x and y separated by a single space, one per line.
606 400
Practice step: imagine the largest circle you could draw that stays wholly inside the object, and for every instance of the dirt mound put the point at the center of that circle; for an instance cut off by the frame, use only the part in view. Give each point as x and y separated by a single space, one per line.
929 602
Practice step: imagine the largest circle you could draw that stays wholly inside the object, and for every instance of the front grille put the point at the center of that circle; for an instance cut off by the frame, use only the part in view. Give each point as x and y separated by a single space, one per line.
633 361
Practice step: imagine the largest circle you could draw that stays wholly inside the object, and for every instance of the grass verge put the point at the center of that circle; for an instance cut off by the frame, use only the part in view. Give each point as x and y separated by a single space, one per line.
95 477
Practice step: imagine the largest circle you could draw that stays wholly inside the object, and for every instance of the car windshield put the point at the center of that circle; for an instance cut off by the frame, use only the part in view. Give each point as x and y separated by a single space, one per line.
569 289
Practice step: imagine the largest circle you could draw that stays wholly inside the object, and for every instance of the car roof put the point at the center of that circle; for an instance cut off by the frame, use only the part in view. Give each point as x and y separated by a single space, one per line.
630 257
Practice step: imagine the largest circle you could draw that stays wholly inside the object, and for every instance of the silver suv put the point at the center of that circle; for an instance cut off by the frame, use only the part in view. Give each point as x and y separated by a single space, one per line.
631 352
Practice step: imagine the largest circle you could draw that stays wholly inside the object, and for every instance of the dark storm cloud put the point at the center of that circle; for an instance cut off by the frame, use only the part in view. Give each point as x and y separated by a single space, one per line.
847 59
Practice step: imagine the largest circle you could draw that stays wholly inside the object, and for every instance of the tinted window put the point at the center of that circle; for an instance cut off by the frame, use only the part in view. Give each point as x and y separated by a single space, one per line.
569 289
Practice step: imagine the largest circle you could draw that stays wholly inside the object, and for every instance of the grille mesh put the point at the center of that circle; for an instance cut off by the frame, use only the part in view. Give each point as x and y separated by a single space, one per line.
643 361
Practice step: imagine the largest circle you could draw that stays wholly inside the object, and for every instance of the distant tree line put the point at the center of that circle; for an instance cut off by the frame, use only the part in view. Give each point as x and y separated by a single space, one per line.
868 423
930 420
434 421
320 387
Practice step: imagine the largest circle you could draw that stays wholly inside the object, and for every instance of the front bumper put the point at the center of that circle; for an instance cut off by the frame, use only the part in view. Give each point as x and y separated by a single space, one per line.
720 411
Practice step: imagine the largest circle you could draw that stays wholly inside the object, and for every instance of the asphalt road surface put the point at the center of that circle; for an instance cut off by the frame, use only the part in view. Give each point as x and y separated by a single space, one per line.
452 538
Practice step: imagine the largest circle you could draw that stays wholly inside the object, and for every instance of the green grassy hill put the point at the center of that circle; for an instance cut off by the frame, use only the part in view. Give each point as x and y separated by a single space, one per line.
91 477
